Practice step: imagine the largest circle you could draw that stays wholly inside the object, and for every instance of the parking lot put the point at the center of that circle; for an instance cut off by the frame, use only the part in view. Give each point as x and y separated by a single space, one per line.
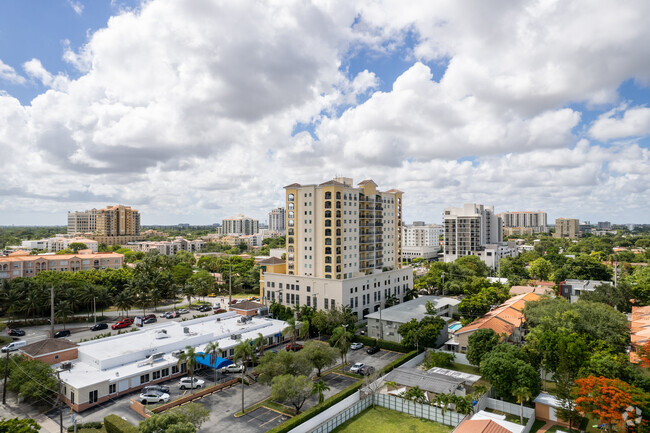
379 360
263 419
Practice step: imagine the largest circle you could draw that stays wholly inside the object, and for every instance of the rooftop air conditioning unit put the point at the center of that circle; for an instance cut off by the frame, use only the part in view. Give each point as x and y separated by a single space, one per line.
186 330
236 336
66 366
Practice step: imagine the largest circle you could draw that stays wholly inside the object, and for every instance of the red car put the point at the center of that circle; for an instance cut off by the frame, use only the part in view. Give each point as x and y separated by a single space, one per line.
294 347
122 324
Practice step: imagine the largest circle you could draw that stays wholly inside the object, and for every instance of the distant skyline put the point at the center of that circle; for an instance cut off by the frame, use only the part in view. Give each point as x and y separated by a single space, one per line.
195 111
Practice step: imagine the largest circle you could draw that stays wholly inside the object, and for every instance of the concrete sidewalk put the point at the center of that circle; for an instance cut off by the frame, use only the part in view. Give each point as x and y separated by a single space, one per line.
13 409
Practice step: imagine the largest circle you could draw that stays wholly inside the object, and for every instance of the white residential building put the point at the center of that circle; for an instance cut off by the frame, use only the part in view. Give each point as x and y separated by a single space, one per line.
468 229
421 241
169 248
276 220
241 225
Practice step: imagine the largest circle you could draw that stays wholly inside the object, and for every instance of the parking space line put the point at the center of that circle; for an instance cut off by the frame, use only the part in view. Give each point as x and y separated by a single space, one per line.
272 419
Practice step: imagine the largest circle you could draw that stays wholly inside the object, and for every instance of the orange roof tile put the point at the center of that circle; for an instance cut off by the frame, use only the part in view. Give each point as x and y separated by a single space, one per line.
494 323
480 426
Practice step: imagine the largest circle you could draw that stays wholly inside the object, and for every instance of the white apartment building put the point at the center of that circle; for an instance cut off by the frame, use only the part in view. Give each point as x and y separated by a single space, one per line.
421 241
276 220
169 248
59 243
469 230
343 243
524 222
241 225
82 222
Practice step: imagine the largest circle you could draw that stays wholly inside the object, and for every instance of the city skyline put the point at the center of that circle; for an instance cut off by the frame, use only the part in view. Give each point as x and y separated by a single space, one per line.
193 112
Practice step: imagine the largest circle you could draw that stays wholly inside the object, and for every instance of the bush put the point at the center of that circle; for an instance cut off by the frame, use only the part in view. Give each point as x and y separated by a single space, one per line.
383 344
438 359
89 425
115 424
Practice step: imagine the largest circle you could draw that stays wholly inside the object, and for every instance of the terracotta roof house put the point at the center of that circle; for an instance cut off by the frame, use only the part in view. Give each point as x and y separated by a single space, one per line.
639 320
480 426
505 319
539 290
51 350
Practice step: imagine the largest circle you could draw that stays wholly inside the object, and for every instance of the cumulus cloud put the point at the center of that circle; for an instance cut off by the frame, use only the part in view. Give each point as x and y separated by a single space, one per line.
9 74
199 110
634 122
76 6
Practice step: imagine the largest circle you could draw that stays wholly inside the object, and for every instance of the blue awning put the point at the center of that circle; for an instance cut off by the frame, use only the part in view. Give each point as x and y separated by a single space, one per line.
218 361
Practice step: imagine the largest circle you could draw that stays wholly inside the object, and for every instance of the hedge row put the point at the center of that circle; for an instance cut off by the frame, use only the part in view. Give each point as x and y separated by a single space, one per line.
383 344
89 425
115 424
313 411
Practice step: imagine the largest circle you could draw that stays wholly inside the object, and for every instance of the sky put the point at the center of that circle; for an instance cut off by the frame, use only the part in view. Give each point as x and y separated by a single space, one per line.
195 111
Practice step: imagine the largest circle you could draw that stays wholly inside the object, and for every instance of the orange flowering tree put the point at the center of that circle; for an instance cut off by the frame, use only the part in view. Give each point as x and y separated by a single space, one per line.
608 399
644 354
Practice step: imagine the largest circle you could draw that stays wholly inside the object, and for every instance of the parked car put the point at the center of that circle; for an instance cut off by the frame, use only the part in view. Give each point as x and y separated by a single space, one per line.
183 311
186 382
367 370
233 302
232 368
212 295
166 315
154 397
294 347
357 367
62 333
356 346
122 324
99 327
205 308
219 311
156 388
16 332
372 350
149 316
150 320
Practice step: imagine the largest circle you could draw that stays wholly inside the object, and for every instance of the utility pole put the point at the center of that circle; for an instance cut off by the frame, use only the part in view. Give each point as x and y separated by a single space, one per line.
230 284
381 324
52 310
443 284
4 388
94 311
58 376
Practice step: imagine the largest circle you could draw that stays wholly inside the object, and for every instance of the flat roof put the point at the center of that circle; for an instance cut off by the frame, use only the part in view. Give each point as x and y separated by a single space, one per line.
467 378
122 356
413 309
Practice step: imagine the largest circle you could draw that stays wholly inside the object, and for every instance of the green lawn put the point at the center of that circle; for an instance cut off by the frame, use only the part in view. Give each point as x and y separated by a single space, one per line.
380 420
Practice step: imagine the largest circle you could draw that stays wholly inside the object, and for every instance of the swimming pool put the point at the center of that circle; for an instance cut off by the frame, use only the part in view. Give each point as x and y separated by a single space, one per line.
455 327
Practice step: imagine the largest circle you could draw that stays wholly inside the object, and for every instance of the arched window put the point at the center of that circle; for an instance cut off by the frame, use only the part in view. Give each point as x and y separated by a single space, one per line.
328 241
328 195
328 223
290 223
291 232
290 214
328 205
328 259
328 232
338 195
290 240
290 206
328 214
338 205
338 214
328 250
290 197
328 268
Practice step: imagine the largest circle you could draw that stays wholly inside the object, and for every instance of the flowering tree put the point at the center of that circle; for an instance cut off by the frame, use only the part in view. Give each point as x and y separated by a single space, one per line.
644 354
608 399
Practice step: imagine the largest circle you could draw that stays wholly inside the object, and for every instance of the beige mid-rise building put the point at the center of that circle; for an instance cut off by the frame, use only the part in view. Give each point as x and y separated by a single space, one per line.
344 248
567 228
110 221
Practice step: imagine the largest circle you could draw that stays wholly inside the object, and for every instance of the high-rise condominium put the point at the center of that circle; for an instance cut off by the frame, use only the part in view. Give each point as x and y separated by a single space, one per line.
568 228
469 229
110 221
276 220
344 245
240 225
524 222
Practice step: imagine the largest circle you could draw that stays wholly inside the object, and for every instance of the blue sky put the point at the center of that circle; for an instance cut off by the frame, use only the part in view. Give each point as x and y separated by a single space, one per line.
196 111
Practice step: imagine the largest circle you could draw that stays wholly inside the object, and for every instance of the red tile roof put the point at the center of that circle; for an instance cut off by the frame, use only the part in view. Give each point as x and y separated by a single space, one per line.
480 426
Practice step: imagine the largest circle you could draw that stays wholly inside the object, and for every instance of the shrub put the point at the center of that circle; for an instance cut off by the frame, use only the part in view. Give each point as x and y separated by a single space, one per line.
89 425
115 424
438 359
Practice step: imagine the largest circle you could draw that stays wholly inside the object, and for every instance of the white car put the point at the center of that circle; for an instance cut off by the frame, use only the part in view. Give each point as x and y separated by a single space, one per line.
356 368
356 346
154 397
232 368
186 382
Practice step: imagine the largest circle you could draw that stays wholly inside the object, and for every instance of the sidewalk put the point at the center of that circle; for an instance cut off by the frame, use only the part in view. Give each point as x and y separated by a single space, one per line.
17 410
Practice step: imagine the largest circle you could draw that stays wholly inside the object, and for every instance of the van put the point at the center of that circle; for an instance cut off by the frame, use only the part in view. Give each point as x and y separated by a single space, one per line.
14 345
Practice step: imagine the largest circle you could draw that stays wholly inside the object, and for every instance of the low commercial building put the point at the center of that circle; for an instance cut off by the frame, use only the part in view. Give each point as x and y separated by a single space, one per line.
51 350
112 366
491 254
384 325
26 265
572 289
428 253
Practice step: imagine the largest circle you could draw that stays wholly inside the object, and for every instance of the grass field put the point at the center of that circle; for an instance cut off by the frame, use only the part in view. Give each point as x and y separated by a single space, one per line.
380 420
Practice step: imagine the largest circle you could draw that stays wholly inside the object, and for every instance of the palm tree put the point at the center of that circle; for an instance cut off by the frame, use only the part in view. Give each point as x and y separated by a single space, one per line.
87 294
295 329
124 300
443 401
523 394
341 340
463 404
212 349
319 388
415 394
258 344
189 358
103 297
32 301
63 311
243 351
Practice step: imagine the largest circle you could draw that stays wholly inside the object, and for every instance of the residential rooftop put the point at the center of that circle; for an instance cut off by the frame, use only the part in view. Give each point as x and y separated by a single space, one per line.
413 309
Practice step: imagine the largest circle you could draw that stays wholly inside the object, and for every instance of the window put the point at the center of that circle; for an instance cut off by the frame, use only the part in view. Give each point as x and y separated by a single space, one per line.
144 378
174 369
332 303
308 288
156 375
290 197
164 372
326 303
308 301
92 396
71 397
112 388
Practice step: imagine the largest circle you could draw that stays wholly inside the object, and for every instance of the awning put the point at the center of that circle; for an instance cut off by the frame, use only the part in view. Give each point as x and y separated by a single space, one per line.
218 361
